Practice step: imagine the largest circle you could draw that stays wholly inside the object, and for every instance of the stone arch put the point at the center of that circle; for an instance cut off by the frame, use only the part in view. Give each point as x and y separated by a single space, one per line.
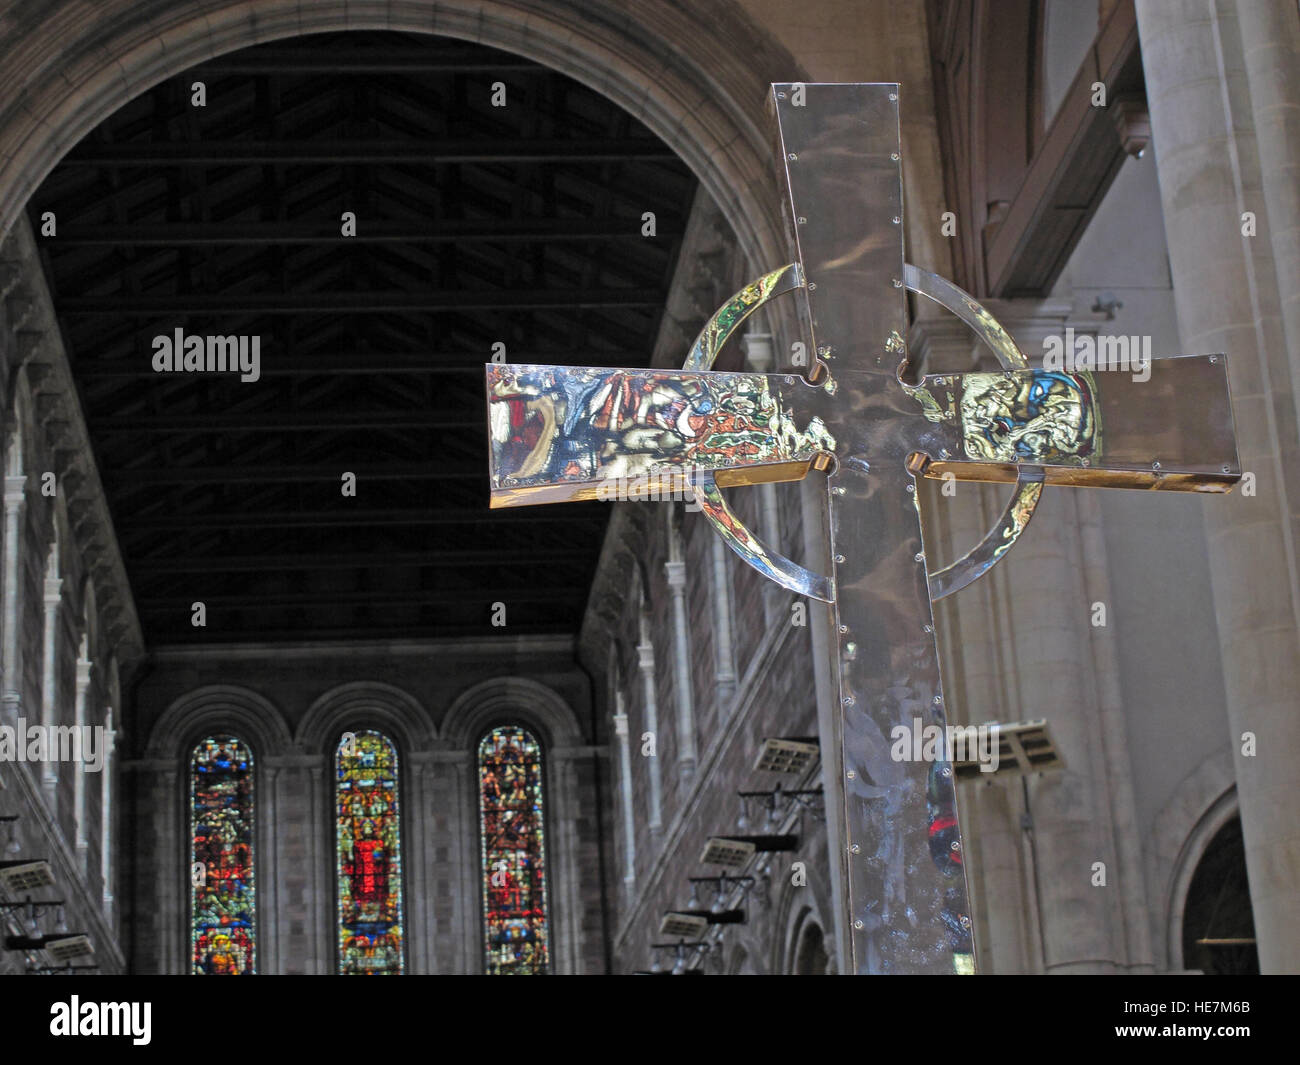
229 707
797 912
512 700
696 75
257 722
366 704
1178 836
532 705
1218 814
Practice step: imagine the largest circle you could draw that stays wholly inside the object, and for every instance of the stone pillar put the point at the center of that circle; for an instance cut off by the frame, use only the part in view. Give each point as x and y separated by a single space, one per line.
1270 38
675 570
1223 100
15 499
106 817
645 651
625 791
49 678
724 678
82 844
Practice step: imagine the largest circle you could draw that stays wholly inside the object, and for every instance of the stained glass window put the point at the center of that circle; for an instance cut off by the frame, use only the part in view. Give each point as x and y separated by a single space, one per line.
514 852
221 858
369 855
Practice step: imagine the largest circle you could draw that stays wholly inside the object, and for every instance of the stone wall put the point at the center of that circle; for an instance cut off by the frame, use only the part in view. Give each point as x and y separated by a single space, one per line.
435 701
61 646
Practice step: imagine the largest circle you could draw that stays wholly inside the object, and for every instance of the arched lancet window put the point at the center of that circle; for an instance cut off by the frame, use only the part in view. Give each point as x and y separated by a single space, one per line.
1218 922
511 827
222 930
369 855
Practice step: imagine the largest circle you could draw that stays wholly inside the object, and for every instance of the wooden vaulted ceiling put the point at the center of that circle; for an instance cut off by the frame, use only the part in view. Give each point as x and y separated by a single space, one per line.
476 224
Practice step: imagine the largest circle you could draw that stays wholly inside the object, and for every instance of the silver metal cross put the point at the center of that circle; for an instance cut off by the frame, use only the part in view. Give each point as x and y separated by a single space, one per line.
563 433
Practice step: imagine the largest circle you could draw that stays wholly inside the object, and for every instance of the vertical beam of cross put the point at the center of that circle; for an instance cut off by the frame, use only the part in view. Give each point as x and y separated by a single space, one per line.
904 880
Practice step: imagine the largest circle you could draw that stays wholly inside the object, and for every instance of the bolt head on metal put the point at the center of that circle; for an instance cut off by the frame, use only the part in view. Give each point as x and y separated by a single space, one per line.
852 775
848 700
1155 465
812 286
802 220
893 96
858 925
839 558
955 845
789 379
855 848
843 628
898 283
911 488
792 157
897 220
839 491
919 556
893 156
928 628
1227 469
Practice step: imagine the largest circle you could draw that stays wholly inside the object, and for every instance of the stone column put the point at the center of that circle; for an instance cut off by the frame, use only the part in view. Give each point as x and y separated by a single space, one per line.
724 678
15 499
79 780
625 791
49 679
1223 99
106 817
675 570
645 651
1270 38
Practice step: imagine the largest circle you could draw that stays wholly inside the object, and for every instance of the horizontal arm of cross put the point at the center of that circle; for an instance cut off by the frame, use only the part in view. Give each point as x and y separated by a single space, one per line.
563 433
1168 426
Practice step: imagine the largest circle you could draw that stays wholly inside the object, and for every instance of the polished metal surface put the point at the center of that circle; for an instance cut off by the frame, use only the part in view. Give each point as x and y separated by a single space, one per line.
584 433
1012 521
718 329
1172 431
565 433
771 564
906 888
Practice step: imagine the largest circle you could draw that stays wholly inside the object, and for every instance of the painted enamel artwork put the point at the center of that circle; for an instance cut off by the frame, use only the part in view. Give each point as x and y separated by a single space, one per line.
555 425
1045 417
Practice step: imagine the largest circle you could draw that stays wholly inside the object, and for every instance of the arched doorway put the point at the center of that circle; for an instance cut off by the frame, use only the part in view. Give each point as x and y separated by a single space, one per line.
1218 926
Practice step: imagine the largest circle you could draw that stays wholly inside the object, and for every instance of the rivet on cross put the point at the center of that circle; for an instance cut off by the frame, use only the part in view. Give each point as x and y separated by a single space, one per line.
565 433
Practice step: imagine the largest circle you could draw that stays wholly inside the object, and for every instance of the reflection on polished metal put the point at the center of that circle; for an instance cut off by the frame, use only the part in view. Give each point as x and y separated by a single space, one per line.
577 433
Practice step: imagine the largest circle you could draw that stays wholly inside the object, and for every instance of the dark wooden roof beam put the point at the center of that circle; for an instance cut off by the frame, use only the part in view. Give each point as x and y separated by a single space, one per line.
1073 167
